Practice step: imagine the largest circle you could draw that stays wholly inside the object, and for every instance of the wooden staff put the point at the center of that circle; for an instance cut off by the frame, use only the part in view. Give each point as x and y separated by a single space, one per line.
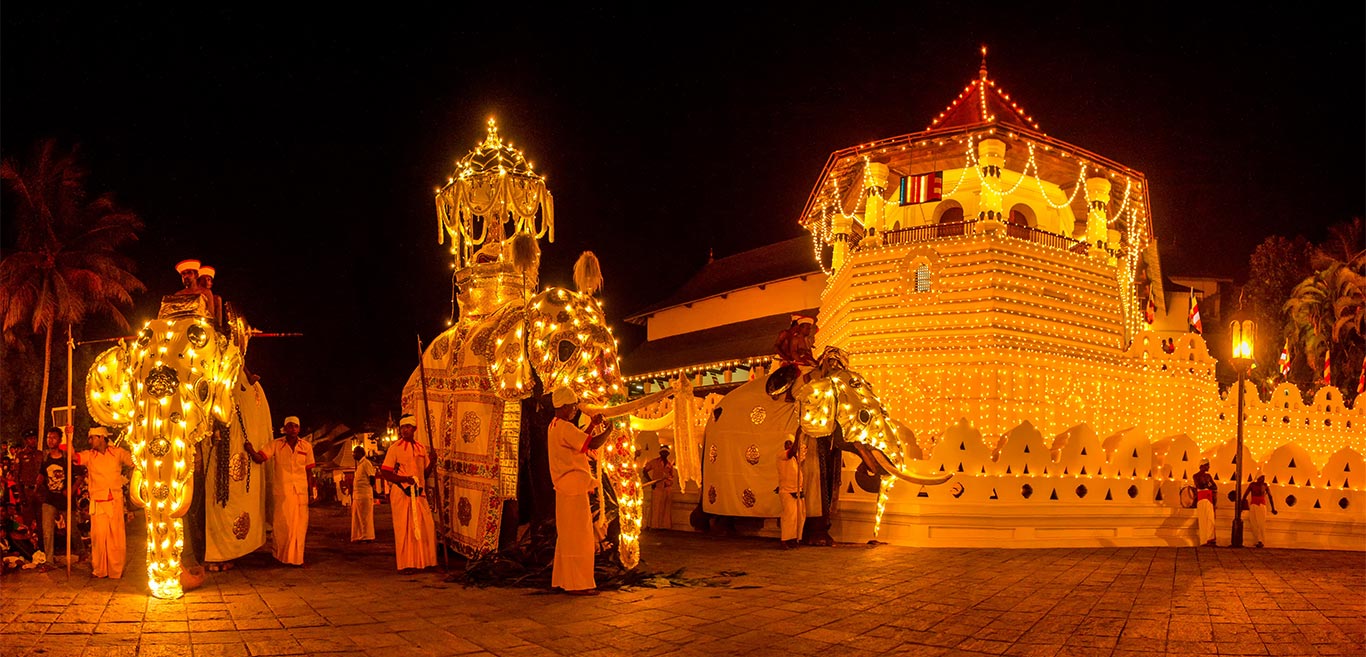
427 418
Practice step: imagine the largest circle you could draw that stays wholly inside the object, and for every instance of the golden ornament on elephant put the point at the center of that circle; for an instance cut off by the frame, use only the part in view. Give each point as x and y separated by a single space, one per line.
237 467
162 381
241 526
758 415
159 447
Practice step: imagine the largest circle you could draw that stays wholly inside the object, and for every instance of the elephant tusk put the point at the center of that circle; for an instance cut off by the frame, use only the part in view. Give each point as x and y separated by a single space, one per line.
883 466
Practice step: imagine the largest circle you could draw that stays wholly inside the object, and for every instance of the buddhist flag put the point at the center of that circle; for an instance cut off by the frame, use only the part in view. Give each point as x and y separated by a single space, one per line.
1285 360
1149 312
1328 367
923 188
1194 318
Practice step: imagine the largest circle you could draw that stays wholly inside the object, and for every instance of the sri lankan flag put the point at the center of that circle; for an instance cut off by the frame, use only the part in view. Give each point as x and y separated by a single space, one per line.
922 188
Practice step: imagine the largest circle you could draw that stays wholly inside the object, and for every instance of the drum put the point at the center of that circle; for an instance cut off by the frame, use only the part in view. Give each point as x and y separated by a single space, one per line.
1188 497
781 380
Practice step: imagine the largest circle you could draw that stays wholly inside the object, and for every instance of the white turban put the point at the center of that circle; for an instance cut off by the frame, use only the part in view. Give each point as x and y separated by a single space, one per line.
293 419
98 431
563 397
407 421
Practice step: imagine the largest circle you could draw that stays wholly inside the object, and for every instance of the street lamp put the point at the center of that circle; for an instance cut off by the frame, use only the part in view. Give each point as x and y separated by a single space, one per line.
1243 333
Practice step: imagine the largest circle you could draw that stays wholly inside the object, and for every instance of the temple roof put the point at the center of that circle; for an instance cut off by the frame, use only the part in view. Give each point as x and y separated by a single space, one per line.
766 264
982 102
750 339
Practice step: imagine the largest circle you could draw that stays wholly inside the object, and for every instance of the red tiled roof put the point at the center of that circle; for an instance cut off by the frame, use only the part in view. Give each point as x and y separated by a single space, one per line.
980 103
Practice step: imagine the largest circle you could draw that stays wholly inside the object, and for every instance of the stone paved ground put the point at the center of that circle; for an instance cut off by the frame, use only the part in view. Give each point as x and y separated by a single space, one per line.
849 600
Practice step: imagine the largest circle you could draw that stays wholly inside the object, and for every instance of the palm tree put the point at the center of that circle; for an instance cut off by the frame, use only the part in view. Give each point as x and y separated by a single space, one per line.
1327 310
64 267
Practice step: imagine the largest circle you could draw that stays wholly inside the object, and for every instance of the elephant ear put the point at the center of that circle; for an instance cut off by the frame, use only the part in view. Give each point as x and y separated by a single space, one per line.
108 394
570 344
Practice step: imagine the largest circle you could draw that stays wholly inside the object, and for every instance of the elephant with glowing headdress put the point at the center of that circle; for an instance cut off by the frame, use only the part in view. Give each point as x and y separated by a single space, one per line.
170 388
826 410
479 387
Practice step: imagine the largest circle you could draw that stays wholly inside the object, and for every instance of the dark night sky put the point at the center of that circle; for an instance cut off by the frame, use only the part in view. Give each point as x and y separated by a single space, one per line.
298 154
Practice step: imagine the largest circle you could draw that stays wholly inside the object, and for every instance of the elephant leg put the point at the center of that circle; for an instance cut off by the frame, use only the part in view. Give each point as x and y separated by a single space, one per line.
817 528
699 520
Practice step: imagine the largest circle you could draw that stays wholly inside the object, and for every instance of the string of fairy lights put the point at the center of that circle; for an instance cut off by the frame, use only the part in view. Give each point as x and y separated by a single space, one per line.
181 376
494 189
494 195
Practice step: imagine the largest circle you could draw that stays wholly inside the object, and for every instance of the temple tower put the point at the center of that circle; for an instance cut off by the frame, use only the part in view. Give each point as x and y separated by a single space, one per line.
985 270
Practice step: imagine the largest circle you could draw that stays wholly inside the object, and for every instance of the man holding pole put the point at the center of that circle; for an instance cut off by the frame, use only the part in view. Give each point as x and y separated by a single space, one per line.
660 474
407 465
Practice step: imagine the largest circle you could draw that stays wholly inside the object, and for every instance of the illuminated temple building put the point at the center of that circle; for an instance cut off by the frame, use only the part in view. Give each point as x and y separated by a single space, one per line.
1002 291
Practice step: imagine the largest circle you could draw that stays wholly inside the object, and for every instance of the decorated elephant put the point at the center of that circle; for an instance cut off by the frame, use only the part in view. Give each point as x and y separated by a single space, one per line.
173 387
479 387
827 410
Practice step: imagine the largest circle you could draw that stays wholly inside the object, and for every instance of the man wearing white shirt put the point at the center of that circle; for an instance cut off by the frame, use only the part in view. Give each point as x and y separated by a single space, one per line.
291 471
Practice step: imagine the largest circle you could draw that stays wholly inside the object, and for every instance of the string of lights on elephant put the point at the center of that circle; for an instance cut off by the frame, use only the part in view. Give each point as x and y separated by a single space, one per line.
166 389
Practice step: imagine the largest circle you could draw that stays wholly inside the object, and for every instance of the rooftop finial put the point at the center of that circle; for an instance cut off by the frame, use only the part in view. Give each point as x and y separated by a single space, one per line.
492 140
982 72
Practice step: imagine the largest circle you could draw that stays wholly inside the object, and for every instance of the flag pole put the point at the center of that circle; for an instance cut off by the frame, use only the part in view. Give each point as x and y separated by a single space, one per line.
431 443
70 446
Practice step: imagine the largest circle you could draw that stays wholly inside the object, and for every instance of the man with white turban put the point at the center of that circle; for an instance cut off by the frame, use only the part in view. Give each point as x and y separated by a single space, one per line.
291 480
104 465
407 465
567 445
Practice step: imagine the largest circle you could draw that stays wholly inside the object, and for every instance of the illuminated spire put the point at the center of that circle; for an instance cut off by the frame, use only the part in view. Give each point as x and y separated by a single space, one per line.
982 102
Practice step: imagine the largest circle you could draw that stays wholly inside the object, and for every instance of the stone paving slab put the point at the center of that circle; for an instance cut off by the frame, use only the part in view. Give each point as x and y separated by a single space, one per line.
846 600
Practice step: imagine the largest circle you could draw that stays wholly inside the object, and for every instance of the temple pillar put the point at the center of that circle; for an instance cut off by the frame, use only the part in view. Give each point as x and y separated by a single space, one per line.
840 227
1096 229
874 185
991 158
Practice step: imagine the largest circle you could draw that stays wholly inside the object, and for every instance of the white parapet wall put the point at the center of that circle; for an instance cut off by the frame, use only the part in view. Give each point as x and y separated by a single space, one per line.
1077 489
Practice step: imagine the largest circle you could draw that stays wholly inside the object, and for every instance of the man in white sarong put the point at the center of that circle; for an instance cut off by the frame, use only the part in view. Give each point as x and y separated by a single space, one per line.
104 466
791 495
291 474
567 445
235 526
1256 496
362 498
660 474
1205 491
414 529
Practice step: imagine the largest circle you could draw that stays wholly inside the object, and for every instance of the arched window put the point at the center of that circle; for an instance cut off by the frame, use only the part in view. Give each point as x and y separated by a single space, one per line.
1019 221
951 221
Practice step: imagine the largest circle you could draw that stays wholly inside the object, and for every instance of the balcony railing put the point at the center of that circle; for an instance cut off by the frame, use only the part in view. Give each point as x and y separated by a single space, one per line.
956 229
